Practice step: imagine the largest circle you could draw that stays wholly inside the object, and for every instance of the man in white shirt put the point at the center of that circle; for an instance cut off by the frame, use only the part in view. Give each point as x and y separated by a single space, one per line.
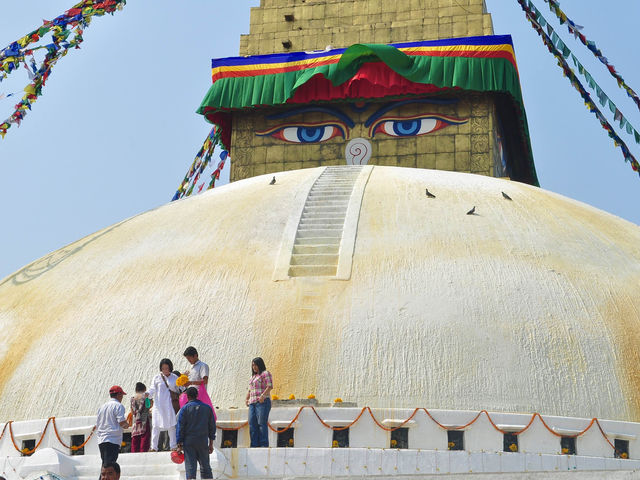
198 371
109 425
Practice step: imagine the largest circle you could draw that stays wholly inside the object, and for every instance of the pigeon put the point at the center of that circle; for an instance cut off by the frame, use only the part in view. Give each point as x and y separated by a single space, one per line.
507 197
429 194
472 211
273 181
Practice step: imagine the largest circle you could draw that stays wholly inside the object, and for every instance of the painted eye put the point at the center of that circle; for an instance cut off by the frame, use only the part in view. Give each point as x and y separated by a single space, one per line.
412 126
305 133
314 134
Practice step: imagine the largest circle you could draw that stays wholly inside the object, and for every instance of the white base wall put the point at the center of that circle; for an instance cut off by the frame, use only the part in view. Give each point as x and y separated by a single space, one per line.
269 463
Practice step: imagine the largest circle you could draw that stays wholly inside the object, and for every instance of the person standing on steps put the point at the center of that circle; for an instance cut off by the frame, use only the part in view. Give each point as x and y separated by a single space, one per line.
140 420
259 402
198 373
109 426
196 428
163 390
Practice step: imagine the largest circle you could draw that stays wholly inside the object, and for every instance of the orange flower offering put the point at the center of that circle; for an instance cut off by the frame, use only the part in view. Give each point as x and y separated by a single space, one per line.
394 443
182 380
335 444
513 447
311 397
451 445
565 451
624 455
337 400
292 397
291 442
275 397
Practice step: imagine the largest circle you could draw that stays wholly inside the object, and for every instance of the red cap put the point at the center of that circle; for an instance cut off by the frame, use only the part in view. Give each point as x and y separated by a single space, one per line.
116 389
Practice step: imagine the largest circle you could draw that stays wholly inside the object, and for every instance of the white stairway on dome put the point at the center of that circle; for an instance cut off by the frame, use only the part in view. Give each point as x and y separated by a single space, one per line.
317 244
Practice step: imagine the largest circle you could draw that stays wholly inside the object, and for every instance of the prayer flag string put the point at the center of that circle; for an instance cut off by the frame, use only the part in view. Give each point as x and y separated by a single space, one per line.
561 55
73 21
200 163
575 30
605 101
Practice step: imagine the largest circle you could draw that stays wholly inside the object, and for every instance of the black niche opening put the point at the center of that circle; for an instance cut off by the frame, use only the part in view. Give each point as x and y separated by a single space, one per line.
510 442
340 438
285 439
568 445
400 438
622 448
455 439
28 445
229 439
125 447
76 441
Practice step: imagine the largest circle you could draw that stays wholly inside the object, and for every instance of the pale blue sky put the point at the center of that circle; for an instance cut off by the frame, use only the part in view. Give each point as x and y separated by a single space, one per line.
116 130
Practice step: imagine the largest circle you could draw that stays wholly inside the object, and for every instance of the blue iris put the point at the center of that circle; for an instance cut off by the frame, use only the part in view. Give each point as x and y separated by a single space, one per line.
406 128
310 134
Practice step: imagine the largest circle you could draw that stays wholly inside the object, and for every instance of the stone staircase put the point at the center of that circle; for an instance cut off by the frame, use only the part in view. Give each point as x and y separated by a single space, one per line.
317 244
134 466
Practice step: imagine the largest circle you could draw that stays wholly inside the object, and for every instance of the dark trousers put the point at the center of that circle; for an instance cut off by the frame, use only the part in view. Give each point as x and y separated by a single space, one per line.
109 452
195 454
258 417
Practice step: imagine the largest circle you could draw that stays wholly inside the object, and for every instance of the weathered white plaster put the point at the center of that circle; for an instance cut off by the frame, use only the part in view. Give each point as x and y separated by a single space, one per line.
530 305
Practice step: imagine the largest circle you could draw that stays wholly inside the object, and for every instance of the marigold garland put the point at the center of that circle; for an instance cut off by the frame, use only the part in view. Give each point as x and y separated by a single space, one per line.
594 421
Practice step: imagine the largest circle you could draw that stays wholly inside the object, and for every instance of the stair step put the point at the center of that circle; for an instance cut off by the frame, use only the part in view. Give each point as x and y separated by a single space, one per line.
323 201
322 220
319 233
312 270
317 241
314 259
315 249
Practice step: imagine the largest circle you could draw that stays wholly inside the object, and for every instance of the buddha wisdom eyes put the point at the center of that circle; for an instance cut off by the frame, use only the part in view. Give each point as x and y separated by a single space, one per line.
306 132
412 126
339 124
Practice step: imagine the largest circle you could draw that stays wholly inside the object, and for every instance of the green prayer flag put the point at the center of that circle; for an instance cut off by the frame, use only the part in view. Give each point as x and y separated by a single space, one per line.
612 107
575 61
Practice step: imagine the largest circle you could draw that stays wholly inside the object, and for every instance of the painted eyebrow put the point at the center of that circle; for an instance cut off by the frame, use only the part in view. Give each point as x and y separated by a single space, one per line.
390 106
331 111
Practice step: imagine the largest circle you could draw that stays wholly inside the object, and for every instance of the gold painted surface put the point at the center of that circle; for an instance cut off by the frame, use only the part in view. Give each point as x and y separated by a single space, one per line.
342 23
449 148
527 306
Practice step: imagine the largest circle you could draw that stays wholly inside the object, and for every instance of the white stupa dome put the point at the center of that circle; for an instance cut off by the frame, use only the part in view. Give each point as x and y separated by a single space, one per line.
529 305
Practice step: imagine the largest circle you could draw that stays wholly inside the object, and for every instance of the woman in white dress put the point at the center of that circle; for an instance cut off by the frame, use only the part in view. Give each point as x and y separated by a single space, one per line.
164 414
